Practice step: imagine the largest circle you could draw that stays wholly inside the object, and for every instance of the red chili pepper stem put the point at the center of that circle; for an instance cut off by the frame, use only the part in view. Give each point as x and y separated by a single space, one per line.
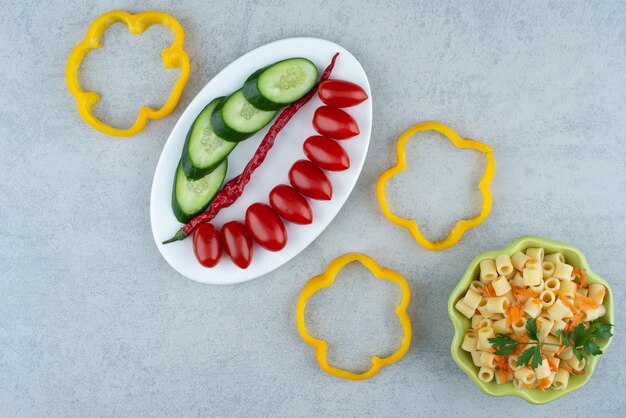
234 188
180 235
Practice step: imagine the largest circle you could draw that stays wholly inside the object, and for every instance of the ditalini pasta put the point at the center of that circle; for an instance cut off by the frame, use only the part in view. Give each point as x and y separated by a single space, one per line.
508 292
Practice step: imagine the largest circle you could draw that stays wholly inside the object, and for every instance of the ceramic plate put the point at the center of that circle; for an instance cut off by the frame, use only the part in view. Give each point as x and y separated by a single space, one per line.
287 149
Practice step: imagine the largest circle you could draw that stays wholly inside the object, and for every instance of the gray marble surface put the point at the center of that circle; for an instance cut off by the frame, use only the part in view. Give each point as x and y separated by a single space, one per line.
93 322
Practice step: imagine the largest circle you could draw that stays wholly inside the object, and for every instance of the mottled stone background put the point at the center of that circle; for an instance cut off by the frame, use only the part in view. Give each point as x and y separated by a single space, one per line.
93 322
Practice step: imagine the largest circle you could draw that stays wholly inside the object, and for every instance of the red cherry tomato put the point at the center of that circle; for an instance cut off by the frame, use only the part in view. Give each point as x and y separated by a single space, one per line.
308 179
334 123
207 245
340 93
326 153
266 227
291 205
237 243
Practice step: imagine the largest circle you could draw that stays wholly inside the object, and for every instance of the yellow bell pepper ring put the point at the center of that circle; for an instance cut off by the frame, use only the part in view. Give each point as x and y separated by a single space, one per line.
462 225
173 57
327 279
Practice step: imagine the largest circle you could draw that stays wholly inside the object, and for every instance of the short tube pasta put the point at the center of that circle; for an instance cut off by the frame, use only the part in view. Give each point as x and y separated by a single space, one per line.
566 354
532 276
576 364
488 272
477 286
536 254
501 286
475 321
470 341
532 307
568 289
518 280
519 260
559 310
485 374
501 327
519 327
544 323
464 309
547 267
472 299
476 358
482 308
487 359
554 258
563 271
503 265
513 362
497 305
543 370
547 298
526 375
594 313
483 338
538 288
557 325
561 379
597 293
552 284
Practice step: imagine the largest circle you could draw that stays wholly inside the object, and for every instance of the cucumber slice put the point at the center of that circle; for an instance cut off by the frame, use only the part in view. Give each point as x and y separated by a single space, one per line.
204 150
235 119
190 197
280 84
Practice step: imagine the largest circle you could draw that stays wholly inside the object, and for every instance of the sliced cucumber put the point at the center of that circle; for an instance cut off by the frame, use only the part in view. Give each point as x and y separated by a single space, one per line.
235 119
280 84
204 150
190 197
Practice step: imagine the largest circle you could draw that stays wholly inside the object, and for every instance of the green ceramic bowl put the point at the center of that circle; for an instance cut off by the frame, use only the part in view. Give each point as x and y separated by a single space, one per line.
461 324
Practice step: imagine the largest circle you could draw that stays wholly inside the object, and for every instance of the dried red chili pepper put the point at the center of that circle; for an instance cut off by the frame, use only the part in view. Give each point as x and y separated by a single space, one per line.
234 188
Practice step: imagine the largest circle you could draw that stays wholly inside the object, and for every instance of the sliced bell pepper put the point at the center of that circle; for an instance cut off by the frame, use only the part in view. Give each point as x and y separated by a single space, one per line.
327 279
462 225
173 57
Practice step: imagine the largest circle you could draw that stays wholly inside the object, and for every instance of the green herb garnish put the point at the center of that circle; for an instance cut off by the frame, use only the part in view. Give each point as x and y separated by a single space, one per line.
581 340
505 345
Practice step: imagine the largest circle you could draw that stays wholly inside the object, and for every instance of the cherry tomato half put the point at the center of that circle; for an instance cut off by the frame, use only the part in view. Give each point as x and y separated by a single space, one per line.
237 243
266 227
310 180
334 123
291 205
326 153
340 93
207 245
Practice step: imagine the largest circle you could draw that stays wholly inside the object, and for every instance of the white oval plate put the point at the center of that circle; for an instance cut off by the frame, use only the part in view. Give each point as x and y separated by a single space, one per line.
287 149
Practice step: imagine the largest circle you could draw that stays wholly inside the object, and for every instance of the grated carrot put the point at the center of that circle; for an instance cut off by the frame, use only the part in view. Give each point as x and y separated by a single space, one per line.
523 291
552 364
504 376
513 313
581 274
573 322
567 302
528 386
490 290
600 296
543 384
570 370
585 301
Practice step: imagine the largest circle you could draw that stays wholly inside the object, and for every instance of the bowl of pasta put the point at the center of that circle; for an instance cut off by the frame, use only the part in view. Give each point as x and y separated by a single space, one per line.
530 320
